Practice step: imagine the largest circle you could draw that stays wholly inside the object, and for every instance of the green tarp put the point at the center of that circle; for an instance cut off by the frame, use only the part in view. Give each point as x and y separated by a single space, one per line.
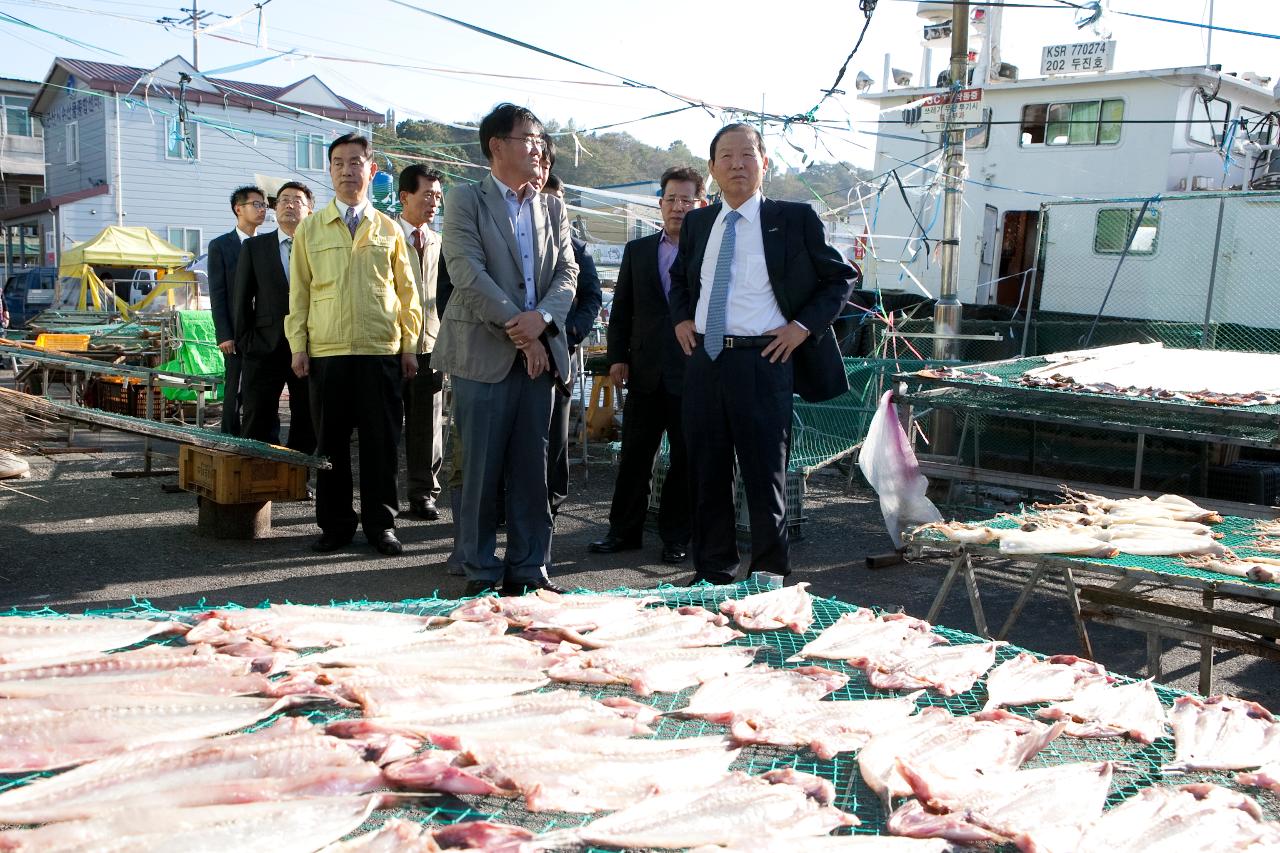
197 355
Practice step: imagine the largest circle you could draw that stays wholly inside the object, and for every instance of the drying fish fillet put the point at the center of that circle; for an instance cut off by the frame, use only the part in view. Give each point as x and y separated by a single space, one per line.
581 612
1054 541
1101 710
297 626
381 692
786 607
1263 777
1248 567
948 669
564 712
740 809
649 669
761 687
441 770
45 740
1046 809
435 650
1178 820
827 728
838 844
404 836
1173 545
1166 506
957 747
965 534
889 464
684 627
1025 679
287 826
602 773
290 758
34 641
863 636
1222 733
152 669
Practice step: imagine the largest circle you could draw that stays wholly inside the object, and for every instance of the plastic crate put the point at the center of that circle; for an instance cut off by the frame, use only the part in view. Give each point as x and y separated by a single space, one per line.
228 478
1246 481
121 397
65 343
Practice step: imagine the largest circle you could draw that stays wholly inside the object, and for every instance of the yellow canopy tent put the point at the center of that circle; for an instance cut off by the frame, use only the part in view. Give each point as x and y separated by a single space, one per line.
122 246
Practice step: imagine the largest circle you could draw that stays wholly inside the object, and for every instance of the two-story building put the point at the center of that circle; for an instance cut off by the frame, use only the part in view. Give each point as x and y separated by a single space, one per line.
21 176
164 147
1101 135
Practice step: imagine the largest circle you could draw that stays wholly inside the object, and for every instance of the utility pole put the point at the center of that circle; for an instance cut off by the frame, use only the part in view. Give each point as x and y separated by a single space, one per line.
194 18
1208 45
946 312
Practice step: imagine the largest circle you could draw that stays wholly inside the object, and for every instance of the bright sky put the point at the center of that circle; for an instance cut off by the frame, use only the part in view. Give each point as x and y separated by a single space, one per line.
782 56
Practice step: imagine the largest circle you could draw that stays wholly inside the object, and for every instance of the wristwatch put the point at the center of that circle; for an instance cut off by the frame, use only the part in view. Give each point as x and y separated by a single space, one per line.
546 316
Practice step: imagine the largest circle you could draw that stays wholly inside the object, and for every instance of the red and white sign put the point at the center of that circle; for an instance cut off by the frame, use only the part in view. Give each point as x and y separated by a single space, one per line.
948 110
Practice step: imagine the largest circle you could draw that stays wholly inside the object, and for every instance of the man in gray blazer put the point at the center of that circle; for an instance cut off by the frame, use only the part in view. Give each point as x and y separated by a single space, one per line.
511 263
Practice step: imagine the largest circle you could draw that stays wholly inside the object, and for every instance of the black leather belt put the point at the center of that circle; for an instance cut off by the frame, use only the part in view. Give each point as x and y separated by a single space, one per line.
742 341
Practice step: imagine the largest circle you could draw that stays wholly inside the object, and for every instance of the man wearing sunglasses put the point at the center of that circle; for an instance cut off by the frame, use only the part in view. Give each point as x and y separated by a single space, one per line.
249 204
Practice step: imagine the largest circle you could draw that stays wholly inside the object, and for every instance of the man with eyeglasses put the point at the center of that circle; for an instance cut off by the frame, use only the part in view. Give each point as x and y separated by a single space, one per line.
501 339
421 193
645 357
249 204
259 305
353 326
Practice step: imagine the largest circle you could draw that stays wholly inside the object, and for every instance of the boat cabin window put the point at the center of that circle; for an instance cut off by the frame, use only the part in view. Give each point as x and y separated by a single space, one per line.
1114 225
1072 123
977 137
1208 123
1256 126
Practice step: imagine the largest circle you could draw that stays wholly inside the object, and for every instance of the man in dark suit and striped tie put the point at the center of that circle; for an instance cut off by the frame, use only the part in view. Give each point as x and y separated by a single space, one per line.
754 290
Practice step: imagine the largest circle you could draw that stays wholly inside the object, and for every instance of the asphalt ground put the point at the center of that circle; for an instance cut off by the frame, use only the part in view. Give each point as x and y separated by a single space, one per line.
74 537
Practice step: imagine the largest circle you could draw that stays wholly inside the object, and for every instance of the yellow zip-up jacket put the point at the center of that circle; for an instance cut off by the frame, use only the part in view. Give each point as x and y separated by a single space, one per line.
351 296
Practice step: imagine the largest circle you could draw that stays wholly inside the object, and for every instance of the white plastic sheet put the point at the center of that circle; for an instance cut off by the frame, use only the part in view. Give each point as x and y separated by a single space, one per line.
889 464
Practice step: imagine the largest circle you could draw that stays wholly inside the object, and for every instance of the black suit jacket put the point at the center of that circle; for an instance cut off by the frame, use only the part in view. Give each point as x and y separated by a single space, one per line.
260 298
810 280
224 256
586 298
641 333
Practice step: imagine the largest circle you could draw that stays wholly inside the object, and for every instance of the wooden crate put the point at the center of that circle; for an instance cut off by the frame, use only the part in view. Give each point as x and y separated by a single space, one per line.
228 478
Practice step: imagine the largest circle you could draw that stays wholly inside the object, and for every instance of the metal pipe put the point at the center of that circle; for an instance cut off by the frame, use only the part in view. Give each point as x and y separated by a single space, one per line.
946 312
1213 278
119 183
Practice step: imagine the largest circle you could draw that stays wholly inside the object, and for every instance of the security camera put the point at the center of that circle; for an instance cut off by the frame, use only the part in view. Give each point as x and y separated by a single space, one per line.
863 81
901 78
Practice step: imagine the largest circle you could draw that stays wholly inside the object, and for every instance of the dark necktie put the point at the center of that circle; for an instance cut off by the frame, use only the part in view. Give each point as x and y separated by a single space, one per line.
353 221
415 237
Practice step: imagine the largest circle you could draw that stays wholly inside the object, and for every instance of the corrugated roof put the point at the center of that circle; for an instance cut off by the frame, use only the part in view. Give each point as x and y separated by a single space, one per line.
111 77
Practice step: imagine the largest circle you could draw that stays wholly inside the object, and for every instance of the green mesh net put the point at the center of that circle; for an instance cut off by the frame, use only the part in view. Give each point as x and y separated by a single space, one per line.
197 354
1139 764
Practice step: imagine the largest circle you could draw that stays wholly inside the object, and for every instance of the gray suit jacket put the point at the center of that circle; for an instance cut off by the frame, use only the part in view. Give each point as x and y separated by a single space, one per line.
484 264
425 275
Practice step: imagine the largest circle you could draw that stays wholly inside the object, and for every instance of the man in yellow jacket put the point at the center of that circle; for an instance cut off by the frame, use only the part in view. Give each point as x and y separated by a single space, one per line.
353 325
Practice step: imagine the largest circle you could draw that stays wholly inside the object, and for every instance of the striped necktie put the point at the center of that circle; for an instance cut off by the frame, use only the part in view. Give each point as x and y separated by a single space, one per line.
353 221
719 301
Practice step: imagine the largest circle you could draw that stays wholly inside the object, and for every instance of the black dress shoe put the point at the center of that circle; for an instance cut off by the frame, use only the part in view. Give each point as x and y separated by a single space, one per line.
522 588
330 542
478 588
613 544
387 543
674 554
425 508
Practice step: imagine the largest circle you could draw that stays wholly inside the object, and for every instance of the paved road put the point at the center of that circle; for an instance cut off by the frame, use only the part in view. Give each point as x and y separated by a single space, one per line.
80 538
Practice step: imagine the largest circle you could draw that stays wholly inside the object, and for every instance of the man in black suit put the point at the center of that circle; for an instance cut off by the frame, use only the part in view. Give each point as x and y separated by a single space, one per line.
754 290
645 357
587 298
259 304
249 204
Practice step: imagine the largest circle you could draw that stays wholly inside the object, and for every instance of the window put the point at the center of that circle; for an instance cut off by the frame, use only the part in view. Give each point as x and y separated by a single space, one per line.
1208 122
72 148
14 118
976 138
1256 126
1073 123
29 194
182 139
1113 226
310 151
184 238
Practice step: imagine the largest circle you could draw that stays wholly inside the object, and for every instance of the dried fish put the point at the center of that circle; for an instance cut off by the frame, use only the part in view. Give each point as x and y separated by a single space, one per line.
1222 733
948 669
862 636
1176 820
650 668
1026 679
827 727
1100 709
788 607
761 688
28 641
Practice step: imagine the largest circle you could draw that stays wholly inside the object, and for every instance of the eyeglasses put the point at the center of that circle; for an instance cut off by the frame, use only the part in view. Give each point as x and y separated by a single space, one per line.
680 201
532 140
292 201
256 205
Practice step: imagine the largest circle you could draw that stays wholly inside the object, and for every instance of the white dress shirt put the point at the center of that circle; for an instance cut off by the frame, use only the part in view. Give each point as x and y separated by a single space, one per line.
752 308
243 236
362 209
520 212
286 249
